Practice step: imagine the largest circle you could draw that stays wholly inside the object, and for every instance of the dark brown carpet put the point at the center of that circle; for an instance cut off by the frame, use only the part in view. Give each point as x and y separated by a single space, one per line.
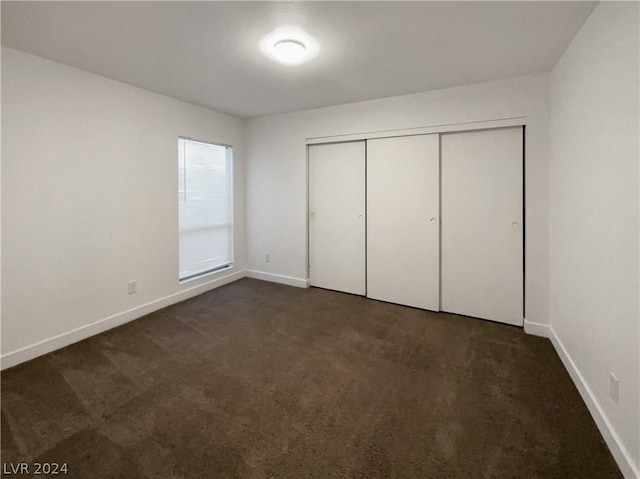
258 380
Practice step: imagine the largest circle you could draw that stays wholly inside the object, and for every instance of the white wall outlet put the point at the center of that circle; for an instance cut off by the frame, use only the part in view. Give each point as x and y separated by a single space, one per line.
267 258
133 287
614 388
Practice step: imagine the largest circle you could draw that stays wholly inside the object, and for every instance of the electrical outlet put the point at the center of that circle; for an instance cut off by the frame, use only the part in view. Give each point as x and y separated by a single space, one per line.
267 258
133 287
614 388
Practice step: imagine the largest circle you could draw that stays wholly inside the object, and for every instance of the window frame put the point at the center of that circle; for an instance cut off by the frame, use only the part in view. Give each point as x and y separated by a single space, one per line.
231 223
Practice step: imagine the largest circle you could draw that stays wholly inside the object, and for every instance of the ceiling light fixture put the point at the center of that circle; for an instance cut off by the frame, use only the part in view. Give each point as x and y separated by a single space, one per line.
289 51
289 46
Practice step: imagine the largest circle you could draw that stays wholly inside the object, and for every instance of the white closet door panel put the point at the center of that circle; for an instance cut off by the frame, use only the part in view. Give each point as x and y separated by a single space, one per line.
482 224
337 217
403 220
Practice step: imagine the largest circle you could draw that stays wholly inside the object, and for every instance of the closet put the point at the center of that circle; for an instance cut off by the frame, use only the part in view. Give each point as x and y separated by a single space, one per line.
432 221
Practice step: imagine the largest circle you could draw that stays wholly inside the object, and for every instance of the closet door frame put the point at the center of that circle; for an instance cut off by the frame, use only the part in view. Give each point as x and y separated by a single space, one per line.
440 130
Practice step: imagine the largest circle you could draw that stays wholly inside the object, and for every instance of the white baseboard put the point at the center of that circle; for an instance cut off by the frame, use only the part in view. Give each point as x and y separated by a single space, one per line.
278 278
536 329
619 452
49 345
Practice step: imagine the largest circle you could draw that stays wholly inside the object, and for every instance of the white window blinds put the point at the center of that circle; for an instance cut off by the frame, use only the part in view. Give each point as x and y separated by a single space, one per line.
205 207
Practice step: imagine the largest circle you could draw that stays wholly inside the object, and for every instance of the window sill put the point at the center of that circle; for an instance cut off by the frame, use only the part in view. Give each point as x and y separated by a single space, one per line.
205 274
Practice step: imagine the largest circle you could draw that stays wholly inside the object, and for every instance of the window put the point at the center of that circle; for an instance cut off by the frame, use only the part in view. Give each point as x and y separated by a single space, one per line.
205 207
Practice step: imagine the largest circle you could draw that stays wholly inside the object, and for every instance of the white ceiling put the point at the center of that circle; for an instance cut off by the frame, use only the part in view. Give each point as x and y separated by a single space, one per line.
207 52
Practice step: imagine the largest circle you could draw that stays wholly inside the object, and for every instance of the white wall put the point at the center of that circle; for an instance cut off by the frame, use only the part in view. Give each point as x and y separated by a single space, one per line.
276 167
594 216
89 201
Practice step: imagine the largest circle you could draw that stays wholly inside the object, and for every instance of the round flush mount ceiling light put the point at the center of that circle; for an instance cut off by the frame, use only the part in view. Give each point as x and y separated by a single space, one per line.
289 51
289 46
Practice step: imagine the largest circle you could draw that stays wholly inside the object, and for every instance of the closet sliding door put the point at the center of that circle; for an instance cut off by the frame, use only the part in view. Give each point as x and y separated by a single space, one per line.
403 220
482 224
337 217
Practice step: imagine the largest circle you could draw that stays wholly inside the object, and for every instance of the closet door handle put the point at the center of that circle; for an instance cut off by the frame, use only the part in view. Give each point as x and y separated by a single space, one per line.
360 216
432 220
514 223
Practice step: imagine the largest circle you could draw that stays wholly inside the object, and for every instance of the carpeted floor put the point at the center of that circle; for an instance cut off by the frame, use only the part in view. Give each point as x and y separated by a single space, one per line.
257 380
